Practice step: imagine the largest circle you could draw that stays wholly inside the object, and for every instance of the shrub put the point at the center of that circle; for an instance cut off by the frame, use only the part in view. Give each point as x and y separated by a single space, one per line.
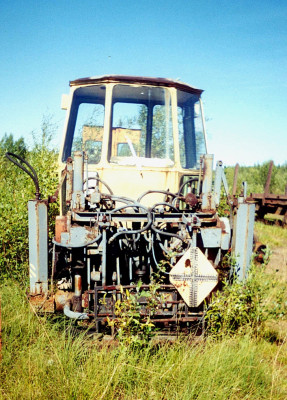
244 306
16 189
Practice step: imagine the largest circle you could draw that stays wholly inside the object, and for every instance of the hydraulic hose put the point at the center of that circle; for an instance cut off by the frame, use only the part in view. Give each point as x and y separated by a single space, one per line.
100 180
164 204
167 233
31 173
137 231
156 191
185 183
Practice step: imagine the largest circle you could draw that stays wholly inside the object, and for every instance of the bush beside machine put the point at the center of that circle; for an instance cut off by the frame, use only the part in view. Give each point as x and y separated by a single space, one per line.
138 198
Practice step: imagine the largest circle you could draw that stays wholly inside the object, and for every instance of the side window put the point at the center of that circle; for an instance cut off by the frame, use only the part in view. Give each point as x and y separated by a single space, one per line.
181 137
190 132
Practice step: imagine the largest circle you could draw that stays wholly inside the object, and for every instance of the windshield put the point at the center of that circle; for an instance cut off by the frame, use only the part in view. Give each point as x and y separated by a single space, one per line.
141 128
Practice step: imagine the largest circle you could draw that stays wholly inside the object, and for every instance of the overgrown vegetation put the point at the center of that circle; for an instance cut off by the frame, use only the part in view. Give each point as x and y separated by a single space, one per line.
242 356
16 188
130 326
43 359
256 177
244 307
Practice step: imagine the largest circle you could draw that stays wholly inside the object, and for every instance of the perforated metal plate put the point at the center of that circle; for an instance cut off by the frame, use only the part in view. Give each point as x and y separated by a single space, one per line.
194 277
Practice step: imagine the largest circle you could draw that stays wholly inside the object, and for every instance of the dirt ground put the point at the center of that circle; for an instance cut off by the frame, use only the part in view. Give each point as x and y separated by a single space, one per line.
278 262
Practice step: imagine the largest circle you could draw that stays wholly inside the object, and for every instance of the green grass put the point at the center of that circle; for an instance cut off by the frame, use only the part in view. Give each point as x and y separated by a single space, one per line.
43 359
271 235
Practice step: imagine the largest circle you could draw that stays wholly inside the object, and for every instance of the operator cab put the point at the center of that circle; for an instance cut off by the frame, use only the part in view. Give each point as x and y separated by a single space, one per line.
138 133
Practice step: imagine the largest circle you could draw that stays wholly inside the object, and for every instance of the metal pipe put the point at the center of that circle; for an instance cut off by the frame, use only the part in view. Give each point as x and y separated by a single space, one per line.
104 257
118 271
131 269
86 173
78 285
77 299
89 269
74 314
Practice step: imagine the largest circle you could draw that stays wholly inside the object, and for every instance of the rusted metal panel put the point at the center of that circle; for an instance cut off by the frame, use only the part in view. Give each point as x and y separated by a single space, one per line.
43 303
208 201
60 226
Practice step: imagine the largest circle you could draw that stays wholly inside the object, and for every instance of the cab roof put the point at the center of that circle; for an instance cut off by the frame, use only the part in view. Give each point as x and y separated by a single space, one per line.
136 80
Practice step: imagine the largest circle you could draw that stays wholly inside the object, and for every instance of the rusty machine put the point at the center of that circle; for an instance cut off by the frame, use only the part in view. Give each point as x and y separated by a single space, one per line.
138 196
270 207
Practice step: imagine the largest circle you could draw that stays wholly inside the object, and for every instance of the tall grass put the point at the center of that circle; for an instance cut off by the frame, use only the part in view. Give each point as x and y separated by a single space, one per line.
44 359
271 235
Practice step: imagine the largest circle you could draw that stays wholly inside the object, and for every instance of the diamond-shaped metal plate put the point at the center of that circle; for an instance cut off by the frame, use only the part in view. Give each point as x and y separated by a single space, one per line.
194 277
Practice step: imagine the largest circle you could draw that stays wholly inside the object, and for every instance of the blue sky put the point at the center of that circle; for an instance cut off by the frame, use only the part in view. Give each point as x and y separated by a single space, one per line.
235 50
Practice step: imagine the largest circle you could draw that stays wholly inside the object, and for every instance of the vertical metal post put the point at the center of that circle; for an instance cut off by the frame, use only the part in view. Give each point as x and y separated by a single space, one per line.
38 246
207 198
78 171
242 244
69 180
217 182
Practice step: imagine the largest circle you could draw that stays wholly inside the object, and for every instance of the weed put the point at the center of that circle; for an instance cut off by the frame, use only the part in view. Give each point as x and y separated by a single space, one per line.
244 306
132 322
